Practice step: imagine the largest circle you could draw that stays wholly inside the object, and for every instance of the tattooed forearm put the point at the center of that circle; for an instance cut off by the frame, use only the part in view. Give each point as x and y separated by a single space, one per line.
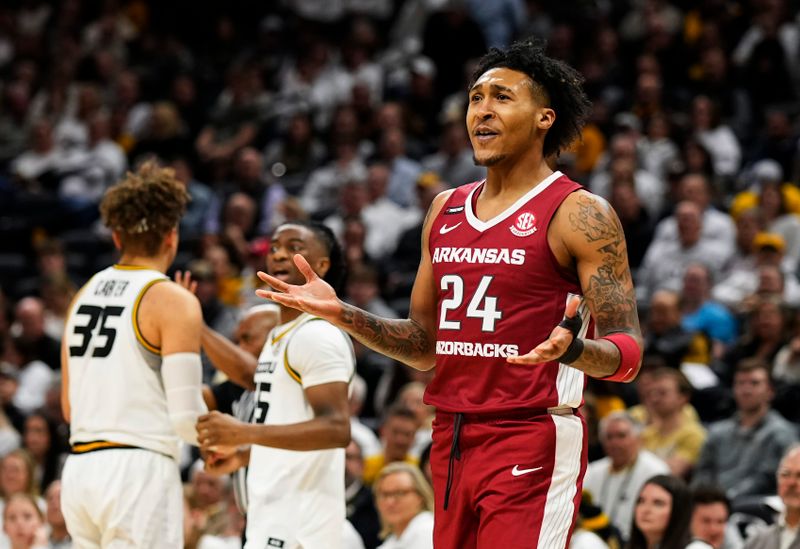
600 358
404 340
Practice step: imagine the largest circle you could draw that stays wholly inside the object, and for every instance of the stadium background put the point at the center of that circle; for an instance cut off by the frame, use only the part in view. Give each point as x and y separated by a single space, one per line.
351 112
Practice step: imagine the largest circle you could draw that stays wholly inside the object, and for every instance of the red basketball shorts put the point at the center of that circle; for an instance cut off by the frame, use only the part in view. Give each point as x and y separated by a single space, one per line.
515 483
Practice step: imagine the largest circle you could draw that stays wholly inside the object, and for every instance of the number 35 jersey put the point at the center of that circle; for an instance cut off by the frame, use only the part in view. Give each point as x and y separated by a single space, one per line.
115 388
501 292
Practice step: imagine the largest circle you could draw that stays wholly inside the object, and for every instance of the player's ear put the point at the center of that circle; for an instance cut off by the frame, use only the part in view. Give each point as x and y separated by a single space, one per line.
322 266
116 239
546 117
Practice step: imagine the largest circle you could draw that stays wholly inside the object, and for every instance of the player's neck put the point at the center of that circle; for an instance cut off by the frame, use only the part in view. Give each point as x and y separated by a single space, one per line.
521 174
288 314
156 263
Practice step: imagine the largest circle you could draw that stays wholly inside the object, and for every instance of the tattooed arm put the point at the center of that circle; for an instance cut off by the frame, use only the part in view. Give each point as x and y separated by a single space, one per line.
586 235
411 341
593 235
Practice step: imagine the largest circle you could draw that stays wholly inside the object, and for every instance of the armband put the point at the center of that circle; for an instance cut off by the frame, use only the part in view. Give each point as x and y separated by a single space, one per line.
629 354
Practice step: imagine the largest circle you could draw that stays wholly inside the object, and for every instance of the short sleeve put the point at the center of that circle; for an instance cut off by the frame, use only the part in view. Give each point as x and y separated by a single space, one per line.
320 353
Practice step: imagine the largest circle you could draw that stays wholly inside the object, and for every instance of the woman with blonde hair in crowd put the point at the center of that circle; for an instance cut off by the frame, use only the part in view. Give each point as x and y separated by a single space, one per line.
17 477
405 505
23 523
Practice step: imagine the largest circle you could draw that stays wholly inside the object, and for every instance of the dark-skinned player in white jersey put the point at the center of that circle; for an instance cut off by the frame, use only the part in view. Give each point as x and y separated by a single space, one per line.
502 263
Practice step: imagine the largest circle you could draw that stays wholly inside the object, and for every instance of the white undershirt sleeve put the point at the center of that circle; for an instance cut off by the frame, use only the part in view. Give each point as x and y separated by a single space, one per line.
182 374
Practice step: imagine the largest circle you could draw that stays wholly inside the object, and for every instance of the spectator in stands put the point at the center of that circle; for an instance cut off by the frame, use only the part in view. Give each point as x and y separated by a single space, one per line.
320 194
614 481
786 365
397 436
766 333
403 171
192 224
232 122
711 510
361 511
247 178
662 516
405 504
56 292
622 162
784 533
363 290
742 453
33 377
736 291
411 396
41 441
292 157
664 335
368 442
17 475
58 535
671 435
208 494
700 314
636 221
453 161
665 262
29 326
23 523
716 136
717 226
164 134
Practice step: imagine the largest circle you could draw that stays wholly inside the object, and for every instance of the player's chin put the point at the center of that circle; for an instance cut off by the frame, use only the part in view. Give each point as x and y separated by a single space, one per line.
487 158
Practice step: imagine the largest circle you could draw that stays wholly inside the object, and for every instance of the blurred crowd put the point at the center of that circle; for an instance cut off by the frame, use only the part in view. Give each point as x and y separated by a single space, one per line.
351 112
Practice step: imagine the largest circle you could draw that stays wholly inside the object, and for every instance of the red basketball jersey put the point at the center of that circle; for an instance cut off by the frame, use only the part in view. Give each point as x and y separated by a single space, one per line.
501 292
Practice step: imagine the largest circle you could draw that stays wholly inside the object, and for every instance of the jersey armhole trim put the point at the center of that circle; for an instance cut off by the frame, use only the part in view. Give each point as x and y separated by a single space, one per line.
135 317
289 370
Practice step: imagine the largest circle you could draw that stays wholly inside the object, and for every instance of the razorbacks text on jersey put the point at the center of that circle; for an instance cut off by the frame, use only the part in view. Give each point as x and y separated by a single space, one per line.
501 292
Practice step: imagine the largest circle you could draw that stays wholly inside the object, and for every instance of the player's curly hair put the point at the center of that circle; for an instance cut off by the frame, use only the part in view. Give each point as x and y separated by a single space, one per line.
556 83
337 272
144 207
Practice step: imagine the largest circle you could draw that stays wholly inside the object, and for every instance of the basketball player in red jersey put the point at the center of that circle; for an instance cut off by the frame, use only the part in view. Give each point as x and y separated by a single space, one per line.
494 308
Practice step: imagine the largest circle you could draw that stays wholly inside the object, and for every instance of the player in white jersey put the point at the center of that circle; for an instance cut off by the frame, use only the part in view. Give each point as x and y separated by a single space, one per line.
301 425
132 376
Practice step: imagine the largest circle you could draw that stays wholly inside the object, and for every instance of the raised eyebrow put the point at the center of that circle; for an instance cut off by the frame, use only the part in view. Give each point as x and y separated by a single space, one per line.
495 87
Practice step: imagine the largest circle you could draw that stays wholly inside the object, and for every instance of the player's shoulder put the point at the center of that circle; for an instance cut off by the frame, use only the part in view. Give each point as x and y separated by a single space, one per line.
170 299
317 331
585 199
584 217
438 202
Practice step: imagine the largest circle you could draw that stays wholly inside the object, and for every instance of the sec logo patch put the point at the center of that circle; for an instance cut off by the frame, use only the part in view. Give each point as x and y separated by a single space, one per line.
525 224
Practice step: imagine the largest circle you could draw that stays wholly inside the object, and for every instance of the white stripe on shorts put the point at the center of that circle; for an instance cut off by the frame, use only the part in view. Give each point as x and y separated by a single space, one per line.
559 507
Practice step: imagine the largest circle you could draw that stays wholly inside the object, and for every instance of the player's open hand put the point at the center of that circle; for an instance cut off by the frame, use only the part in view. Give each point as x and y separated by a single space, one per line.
315 296
217 432
184 278
555 345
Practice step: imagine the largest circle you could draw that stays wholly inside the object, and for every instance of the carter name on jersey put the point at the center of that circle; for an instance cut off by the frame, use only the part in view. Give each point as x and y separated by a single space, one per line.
446 254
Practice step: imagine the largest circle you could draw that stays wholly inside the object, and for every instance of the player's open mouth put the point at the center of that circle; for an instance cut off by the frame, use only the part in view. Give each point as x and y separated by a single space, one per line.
483 134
